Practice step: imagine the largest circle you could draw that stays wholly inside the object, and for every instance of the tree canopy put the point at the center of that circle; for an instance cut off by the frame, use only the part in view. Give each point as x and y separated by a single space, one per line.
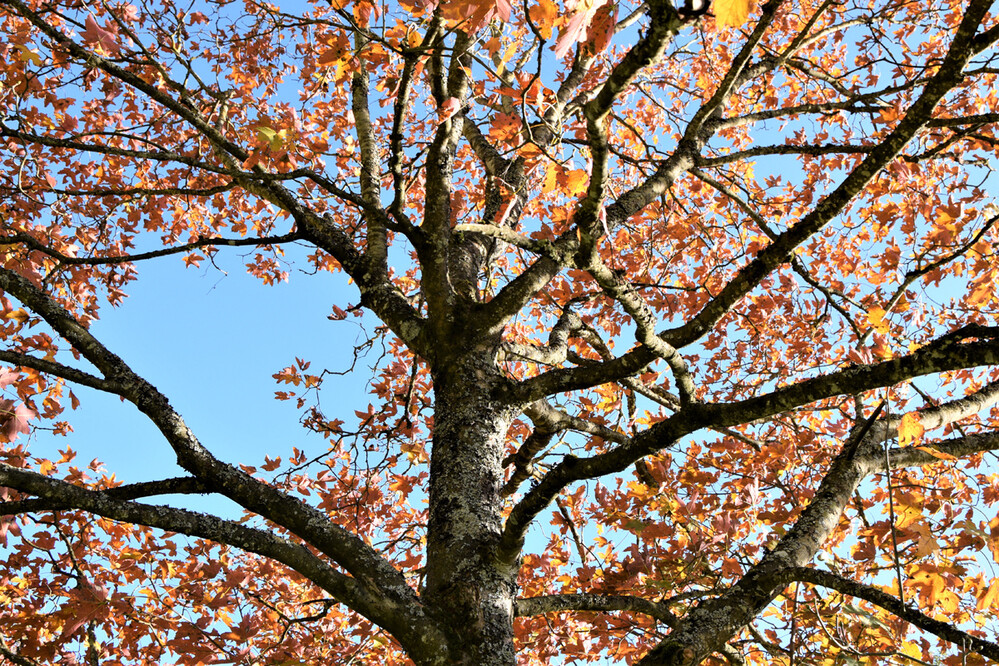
688 319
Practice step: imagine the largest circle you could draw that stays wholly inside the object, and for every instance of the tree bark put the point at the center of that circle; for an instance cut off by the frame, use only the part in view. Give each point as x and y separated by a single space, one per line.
468 588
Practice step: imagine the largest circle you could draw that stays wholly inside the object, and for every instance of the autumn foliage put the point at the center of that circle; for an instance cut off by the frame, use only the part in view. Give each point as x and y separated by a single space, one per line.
689 330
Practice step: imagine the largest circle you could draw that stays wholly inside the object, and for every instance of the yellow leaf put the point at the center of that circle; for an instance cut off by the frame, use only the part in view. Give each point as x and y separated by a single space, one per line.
876 318
27 55
551 178
18 315
731 12
639 491
280 140
912 651
265 134
510 50
274 139
910 429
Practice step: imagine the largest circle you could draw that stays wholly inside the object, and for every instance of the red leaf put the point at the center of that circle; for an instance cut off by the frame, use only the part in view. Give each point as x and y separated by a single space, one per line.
578 25
448 108
14 420
97 36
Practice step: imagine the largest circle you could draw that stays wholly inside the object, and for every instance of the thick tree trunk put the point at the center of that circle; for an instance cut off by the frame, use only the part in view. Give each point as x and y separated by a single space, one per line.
469 591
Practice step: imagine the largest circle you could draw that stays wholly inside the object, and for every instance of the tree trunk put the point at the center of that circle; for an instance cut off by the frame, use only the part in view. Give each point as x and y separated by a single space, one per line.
467 588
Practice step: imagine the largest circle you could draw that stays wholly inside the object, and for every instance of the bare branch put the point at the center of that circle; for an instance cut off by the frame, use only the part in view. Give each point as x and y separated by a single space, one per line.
132 491
58 370
22 238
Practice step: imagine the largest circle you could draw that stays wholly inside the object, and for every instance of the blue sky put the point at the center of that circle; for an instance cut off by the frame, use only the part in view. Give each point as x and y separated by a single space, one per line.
211 341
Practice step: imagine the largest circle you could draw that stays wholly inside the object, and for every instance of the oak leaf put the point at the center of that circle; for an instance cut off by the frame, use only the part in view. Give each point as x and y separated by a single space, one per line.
27 55
988 597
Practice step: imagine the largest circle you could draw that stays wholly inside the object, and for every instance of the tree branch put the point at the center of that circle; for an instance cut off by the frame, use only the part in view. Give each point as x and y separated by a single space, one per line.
176 486
775 254
14 657
781 249
366 600
307 522
370 175
58 370
891 603
950 352
22 238
377 291
601 603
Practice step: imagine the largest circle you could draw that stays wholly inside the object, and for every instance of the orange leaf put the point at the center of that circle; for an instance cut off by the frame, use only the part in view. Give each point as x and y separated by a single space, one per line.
990 597
551 177
448 108
601 30
544 15
940 455
529 151
577 181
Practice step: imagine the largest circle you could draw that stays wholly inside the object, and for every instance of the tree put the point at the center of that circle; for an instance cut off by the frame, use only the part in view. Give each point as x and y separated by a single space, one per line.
689 320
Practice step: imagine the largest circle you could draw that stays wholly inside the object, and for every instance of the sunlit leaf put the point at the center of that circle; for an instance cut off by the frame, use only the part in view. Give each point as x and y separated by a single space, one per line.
910 429
876 318
732 13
